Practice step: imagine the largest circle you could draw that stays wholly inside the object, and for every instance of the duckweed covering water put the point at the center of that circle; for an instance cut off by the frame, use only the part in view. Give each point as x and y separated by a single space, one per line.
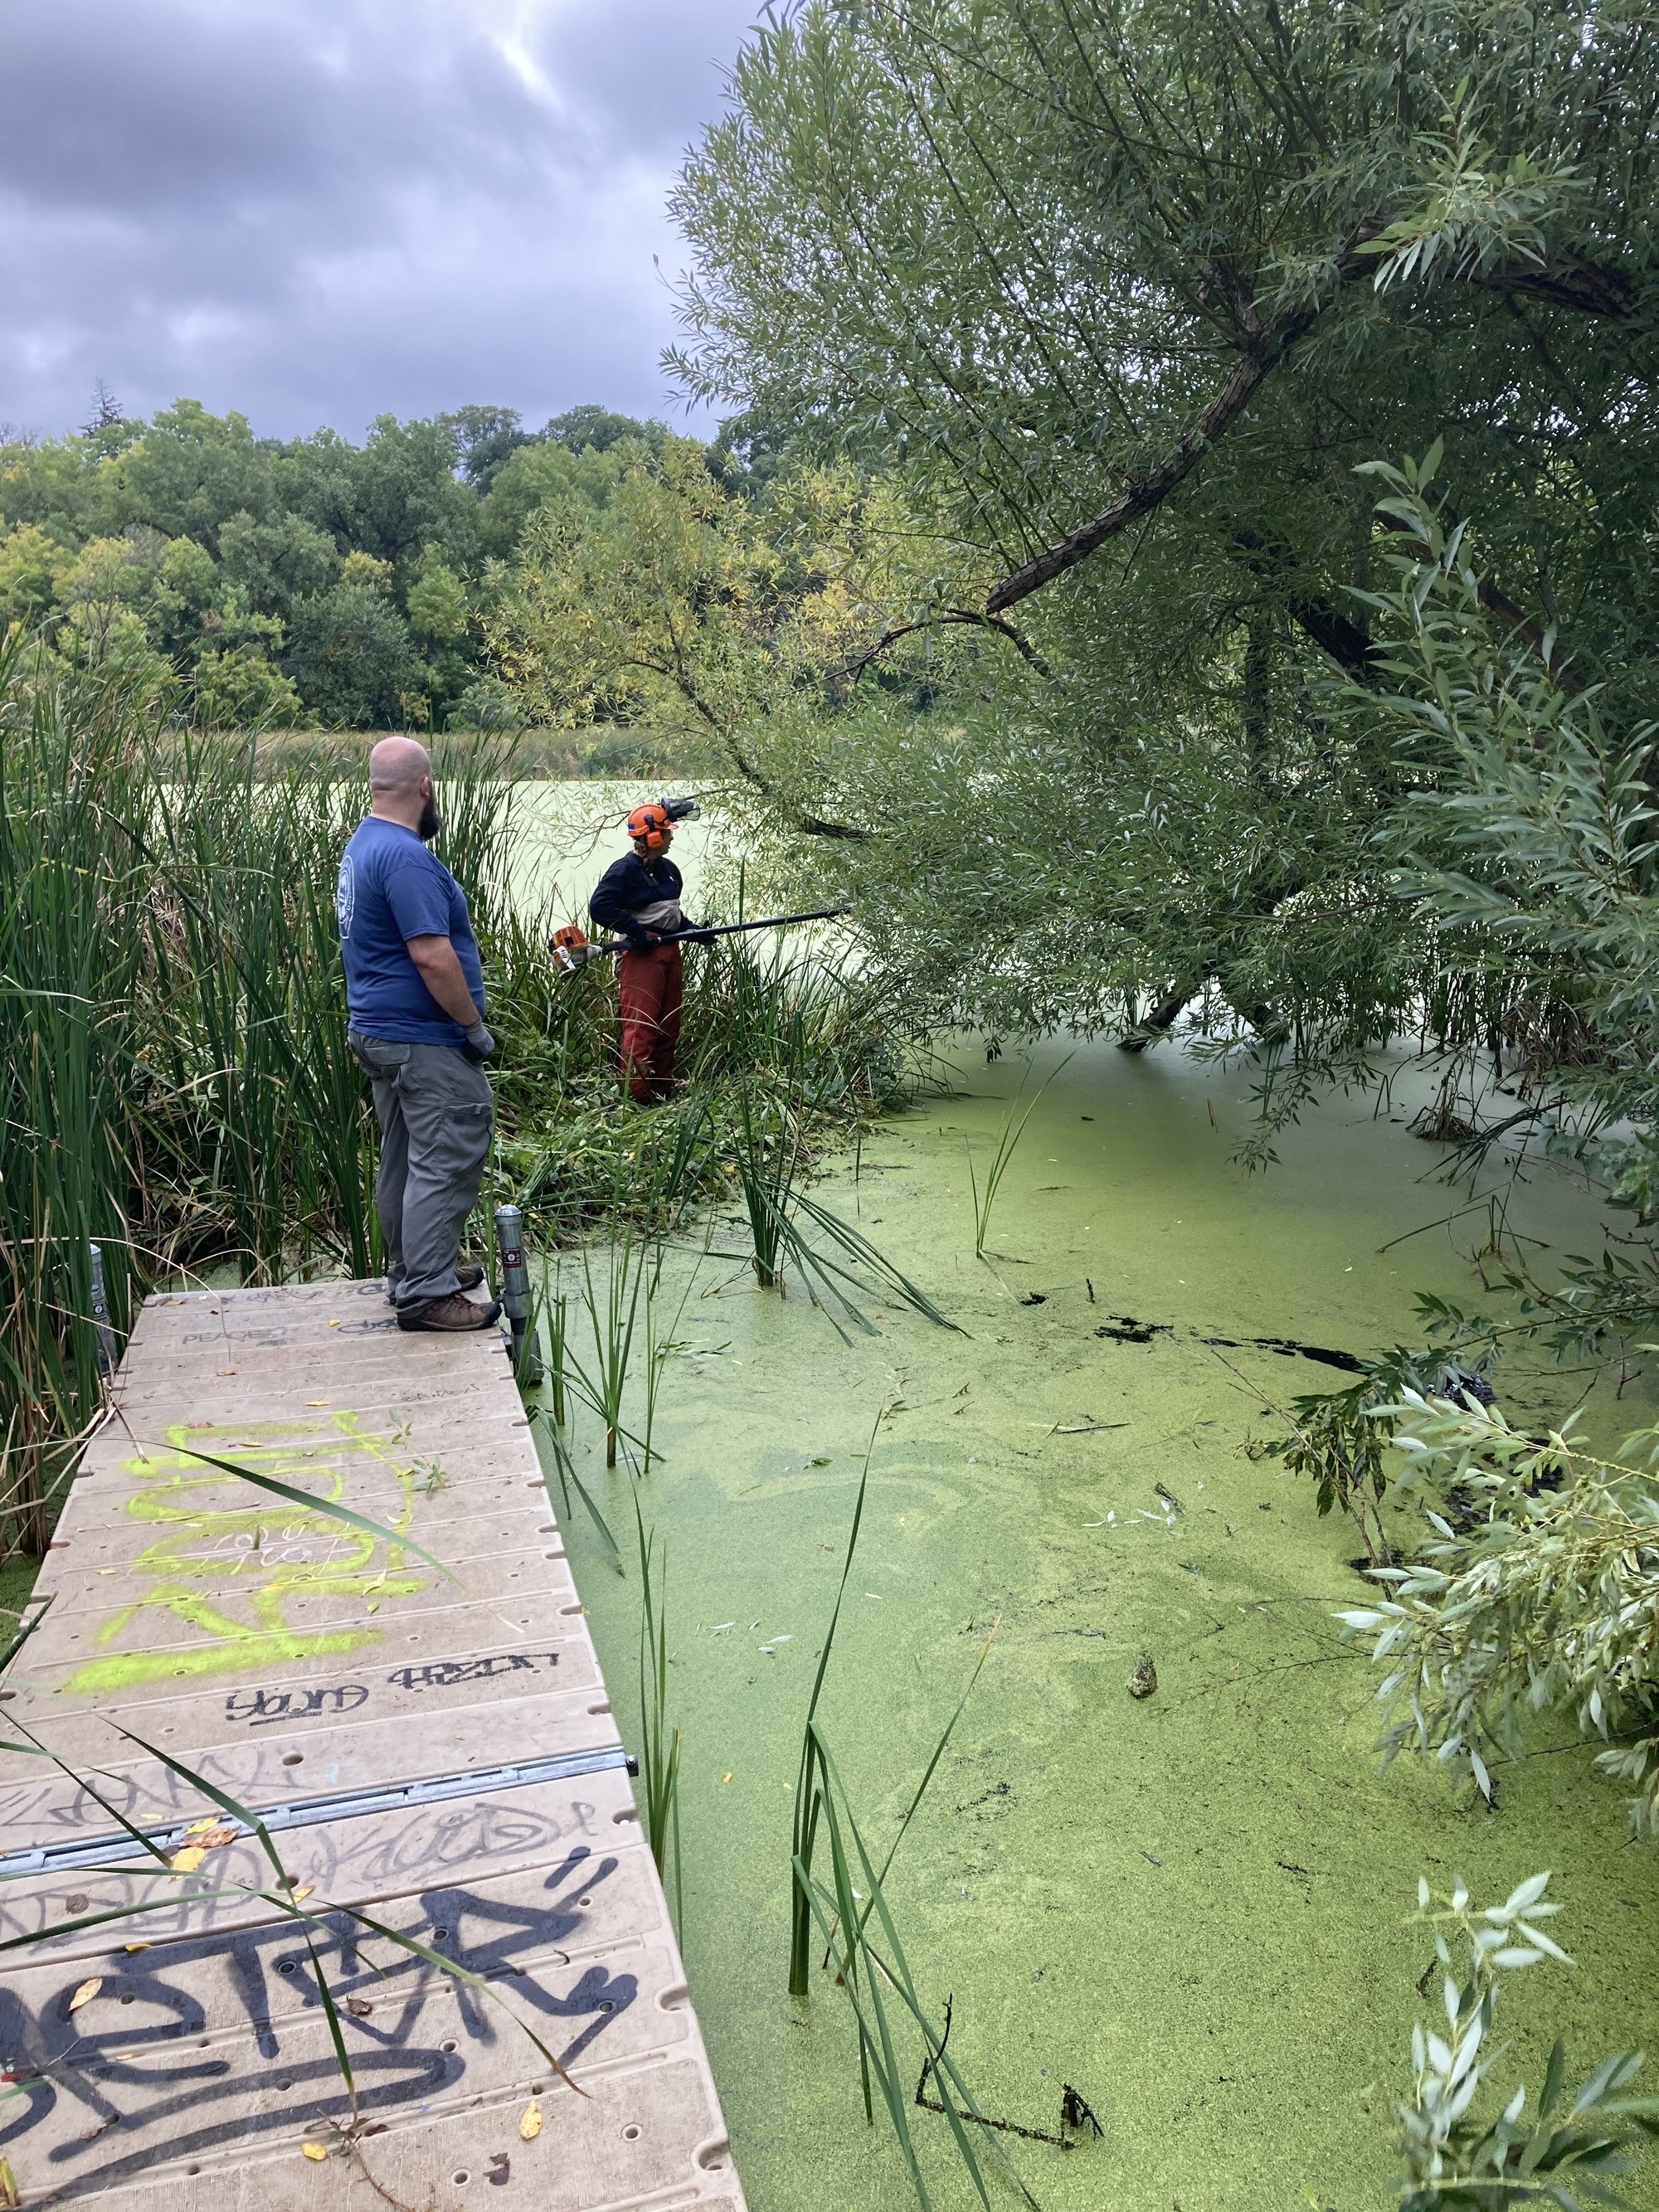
1190 1905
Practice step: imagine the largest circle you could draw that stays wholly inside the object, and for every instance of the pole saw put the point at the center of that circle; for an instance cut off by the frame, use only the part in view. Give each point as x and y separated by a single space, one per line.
572 949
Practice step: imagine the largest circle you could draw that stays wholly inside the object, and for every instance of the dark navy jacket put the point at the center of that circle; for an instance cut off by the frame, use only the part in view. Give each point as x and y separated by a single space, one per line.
626 886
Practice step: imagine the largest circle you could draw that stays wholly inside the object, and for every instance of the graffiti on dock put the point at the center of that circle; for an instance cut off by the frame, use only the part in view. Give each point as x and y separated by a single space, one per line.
238 1574
310 1701
151 2053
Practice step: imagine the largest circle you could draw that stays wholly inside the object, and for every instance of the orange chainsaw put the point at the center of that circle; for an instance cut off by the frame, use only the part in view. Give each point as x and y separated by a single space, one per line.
572 949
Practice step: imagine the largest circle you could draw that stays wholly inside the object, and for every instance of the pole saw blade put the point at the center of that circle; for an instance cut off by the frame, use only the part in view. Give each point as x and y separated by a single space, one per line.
572 949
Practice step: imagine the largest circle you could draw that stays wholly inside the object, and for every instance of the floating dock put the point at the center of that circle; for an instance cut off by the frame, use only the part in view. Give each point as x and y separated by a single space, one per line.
432 1757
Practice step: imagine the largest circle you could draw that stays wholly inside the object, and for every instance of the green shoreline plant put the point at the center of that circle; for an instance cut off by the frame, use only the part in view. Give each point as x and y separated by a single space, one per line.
659 1740
1453 2158
870 1966
1548 1601
1013 1129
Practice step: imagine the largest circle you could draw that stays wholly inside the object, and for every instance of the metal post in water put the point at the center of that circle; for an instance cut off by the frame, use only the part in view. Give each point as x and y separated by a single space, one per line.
515 1293
100 1320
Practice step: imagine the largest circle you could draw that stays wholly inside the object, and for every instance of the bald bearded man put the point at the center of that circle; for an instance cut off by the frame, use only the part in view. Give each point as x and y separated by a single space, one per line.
416 1002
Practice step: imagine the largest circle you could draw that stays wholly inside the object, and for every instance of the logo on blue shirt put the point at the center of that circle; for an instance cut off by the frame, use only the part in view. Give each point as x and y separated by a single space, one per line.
345 894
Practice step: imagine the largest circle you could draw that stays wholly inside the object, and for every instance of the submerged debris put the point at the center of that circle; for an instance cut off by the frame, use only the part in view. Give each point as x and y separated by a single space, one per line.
1144 1680
1290 1347
1074 2111
1124 1329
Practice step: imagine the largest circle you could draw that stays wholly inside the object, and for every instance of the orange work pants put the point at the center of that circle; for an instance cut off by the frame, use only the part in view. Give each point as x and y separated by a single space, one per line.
650 986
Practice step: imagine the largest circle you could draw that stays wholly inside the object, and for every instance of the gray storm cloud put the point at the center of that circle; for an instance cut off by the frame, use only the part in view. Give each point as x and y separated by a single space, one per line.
320 210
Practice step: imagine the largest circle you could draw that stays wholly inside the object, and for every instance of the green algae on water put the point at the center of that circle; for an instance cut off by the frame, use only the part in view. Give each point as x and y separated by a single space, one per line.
1191 1907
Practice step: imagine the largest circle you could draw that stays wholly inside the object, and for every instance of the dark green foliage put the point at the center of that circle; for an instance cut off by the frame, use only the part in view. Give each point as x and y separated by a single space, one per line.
583 429
352 658
277 561
1186 269
1338 1439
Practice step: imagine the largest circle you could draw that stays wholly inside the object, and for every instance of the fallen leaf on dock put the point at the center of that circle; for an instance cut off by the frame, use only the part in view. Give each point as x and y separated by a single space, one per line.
134 1947
314 2151
87 1990
9 2197
304 1890
187 1861
359 2007
530 2122
334 1323
228 1370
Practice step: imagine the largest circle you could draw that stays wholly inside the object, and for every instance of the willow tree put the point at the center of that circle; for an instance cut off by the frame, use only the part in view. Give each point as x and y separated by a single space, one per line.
1127 294
742 625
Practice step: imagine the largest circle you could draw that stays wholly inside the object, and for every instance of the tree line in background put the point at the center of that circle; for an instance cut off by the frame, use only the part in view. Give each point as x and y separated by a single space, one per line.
280 581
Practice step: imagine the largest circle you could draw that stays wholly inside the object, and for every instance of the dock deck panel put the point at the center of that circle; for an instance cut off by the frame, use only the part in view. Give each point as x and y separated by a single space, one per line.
347 1692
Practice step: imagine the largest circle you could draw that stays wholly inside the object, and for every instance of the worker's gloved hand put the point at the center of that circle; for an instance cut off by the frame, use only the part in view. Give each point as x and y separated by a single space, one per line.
480 1045
697 937
643 940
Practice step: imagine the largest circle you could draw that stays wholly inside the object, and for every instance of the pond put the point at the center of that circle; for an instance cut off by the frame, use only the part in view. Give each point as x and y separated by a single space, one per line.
1190 1905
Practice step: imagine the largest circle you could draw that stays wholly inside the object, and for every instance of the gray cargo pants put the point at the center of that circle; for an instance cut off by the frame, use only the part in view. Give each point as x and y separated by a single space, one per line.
435 1113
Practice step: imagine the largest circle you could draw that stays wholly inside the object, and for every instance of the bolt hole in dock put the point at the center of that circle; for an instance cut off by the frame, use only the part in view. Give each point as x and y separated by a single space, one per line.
293 1758
632 2132
1260 1745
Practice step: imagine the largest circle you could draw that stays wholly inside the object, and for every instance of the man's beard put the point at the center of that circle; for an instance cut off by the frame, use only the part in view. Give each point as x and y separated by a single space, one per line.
431 821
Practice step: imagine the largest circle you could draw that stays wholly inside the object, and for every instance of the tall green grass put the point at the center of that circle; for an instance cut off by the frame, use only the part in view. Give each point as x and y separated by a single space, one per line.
659 1740
847 1902
1013 1129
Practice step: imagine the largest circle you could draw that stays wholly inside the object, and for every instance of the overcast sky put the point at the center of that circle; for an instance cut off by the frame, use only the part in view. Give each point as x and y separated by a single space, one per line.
320 210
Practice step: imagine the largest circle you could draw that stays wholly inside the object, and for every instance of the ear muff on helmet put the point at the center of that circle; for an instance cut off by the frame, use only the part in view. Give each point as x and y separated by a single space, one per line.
647 824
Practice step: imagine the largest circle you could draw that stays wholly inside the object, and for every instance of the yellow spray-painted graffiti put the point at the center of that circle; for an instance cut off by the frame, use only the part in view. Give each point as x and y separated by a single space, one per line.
238 1575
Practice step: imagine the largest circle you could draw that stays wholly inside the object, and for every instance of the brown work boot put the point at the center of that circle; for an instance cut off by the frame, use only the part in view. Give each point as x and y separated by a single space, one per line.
451 1316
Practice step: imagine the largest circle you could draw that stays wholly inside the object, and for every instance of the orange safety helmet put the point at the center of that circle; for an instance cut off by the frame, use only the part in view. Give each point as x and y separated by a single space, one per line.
647 824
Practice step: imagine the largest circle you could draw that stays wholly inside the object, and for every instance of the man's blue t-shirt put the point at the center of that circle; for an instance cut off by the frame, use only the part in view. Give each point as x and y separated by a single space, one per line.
392 888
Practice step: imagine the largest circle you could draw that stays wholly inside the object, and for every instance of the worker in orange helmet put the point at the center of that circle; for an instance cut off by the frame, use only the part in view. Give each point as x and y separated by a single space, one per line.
638 899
